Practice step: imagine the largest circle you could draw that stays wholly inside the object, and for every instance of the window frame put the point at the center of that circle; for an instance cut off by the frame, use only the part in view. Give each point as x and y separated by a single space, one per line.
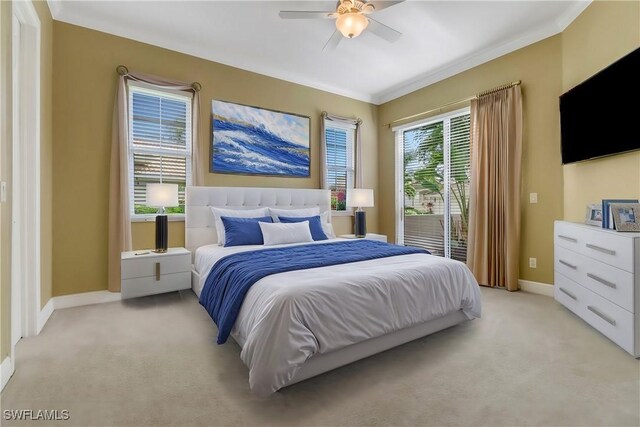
351 159
187 152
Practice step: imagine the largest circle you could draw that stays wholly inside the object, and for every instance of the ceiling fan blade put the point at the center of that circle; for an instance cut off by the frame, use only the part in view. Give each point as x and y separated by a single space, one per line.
333 42
305 14
383 4
382 31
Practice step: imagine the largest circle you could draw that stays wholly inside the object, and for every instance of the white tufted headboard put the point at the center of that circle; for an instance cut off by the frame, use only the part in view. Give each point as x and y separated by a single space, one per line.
199 227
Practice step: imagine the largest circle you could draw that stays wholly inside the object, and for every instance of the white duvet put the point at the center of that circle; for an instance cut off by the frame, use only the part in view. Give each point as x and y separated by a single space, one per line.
287 318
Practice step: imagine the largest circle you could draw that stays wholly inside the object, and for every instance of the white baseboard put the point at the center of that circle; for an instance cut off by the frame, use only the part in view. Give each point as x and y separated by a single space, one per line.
6 371
545 289
85 298
44 314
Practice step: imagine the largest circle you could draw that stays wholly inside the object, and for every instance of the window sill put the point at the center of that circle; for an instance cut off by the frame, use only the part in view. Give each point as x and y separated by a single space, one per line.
152 218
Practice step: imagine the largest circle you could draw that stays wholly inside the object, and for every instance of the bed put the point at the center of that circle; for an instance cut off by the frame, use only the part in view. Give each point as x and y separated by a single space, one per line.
298 324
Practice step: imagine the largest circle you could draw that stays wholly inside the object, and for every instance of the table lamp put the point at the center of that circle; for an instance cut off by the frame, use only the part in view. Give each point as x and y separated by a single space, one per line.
360 198
162 196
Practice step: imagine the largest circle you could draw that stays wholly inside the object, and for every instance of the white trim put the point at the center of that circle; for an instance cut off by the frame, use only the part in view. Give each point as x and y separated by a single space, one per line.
432 119
545 289
483 56
85 298
6 371
27 167
44 314
552 27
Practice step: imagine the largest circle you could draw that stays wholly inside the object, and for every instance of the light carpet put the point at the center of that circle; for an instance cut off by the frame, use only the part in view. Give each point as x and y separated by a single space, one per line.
154 361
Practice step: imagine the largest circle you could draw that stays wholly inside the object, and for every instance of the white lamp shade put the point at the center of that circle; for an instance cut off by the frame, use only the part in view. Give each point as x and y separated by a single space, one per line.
162 195
360 197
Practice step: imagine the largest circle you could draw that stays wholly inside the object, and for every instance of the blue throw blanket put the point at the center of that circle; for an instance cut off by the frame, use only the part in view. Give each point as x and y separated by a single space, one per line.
232 276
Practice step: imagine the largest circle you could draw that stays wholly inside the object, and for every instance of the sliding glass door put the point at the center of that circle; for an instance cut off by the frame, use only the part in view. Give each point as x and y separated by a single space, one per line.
433 195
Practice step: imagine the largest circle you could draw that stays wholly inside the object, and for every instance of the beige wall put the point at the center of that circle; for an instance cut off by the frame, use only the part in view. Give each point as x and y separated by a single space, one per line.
539 68
46 139
602 34
83 92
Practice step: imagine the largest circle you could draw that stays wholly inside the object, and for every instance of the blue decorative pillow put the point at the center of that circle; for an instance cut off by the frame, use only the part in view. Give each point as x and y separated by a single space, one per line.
314 225
243 231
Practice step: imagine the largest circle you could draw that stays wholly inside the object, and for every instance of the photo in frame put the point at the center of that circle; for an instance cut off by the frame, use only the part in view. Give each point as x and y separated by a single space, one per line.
594 215
257 141
626 216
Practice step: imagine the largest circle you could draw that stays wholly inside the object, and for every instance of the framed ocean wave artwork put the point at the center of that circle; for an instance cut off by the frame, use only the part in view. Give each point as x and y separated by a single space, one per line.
256 141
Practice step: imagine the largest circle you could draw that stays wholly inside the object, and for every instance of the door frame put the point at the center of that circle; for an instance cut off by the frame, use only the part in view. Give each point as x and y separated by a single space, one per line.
25 186
399 170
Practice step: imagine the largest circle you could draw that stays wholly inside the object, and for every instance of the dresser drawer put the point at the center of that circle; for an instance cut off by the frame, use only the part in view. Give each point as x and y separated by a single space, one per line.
146 266
569 293
614 322
605 246
610 282
142 286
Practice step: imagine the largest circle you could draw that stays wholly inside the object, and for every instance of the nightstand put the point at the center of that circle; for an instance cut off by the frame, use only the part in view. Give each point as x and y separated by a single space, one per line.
154 273
369 236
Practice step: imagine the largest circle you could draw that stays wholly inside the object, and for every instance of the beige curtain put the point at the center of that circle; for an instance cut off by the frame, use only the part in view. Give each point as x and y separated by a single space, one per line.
119 214
323 147
494 204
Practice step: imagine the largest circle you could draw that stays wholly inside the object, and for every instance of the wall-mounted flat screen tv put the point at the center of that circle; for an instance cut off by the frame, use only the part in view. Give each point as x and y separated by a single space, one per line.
601 116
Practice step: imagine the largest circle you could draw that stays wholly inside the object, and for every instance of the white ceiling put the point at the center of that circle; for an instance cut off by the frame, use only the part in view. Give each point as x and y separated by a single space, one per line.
440 38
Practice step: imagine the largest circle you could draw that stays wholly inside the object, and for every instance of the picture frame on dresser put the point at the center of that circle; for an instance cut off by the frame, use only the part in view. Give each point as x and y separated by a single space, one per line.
594 215
607 220
626 216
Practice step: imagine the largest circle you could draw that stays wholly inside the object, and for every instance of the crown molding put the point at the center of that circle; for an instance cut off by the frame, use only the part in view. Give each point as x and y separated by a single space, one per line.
485 55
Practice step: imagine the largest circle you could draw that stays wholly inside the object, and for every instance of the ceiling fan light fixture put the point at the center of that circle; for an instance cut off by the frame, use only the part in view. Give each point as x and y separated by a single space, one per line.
351 24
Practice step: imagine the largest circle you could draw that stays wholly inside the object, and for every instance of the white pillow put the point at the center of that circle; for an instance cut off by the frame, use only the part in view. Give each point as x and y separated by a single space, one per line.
280 233
293 213
235 213
328 229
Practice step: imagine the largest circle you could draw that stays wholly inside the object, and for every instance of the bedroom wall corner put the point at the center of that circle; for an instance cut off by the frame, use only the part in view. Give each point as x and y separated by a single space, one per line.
46 151
83 91
539 67
602 34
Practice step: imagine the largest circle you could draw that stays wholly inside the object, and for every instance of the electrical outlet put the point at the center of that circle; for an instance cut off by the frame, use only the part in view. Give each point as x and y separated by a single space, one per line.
533 263
533 197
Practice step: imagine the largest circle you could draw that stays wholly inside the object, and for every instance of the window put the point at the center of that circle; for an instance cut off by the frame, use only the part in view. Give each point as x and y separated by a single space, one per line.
340 162
159 145
434 170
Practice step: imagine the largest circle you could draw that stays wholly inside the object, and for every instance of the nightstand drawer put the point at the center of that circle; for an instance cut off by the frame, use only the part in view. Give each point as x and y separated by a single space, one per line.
142 286
145 266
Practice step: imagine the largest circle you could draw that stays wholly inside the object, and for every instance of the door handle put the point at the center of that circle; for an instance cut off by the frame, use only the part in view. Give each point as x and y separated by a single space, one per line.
157 271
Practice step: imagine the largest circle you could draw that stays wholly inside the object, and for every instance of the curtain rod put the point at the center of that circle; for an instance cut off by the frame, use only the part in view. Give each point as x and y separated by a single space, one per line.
483 93
124 71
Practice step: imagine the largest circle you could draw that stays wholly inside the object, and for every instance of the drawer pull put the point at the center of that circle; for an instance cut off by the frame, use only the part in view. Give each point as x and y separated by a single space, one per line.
569 294
601 280
157 271
601 249
571 239
567 264
601 315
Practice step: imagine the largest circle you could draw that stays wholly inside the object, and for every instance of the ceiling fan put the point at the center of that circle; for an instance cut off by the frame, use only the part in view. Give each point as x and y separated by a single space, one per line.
352 18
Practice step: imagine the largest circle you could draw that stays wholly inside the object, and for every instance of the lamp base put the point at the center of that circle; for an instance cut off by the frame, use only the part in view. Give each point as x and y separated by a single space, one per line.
162 234
360 224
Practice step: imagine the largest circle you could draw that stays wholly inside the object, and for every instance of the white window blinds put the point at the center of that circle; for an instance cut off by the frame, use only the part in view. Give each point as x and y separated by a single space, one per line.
436 171
159 144
340 163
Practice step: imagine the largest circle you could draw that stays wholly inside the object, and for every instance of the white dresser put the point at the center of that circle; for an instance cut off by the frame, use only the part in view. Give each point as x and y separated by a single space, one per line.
597 276
148 273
